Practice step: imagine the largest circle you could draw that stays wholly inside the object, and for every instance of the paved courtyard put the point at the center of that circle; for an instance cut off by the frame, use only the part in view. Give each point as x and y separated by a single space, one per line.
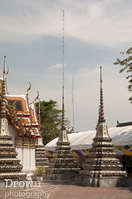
50 191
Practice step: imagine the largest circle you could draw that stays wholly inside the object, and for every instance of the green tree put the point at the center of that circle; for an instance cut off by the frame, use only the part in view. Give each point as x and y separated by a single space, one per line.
50 120
126 64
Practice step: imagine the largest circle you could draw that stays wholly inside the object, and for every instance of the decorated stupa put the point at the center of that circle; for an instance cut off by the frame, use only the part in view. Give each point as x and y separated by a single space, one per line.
10 167
102 167
63 167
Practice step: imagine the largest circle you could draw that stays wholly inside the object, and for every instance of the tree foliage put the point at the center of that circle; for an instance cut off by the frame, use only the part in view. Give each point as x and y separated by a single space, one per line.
50 120
126 65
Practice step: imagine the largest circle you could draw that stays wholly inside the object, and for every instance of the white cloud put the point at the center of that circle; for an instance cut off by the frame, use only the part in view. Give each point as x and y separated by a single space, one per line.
57 66
105 22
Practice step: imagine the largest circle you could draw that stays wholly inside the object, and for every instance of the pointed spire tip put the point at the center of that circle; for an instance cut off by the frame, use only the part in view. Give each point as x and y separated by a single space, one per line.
101 107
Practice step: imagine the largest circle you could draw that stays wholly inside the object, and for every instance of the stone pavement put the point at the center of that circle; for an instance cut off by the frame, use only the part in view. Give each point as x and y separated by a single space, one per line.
78 192
51 191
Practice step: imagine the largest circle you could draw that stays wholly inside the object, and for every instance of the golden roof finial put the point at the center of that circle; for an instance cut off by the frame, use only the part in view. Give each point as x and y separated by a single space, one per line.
36 98
28 89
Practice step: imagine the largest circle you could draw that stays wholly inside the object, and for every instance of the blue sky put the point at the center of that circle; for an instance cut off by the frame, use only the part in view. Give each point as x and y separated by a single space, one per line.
95 32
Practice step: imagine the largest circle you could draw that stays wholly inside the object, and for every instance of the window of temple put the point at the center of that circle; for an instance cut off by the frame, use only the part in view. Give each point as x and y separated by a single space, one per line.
17 103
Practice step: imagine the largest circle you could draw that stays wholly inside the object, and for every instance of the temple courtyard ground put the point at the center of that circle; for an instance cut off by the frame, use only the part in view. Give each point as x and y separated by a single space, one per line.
51 191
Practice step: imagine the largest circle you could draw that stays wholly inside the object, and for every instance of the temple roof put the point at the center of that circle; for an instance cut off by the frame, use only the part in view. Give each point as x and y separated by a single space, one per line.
121 124
25 112
83 140
17 110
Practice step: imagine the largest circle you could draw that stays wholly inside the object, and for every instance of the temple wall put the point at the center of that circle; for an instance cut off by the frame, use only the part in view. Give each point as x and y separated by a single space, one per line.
27 157
25 149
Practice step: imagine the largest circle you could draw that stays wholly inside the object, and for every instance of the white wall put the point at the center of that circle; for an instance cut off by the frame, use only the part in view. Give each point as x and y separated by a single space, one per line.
26 155
27 158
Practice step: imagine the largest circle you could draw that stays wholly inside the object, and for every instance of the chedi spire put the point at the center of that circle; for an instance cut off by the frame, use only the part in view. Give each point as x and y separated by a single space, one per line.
102 167
101 108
